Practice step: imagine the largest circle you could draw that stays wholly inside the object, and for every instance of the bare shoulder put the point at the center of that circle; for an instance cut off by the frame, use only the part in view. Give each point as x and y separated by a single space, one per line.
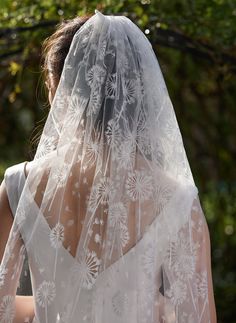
6 217
4 203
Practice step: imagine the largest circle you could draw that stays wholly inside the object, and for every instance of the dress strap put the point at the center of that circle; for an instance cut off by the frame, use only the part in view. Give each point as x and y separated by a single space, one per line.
14 180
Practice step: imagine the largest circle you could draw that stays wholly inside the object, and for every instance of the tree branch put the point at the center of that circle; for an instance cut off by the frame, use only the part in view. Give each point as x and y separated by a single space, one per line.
176 40
161 37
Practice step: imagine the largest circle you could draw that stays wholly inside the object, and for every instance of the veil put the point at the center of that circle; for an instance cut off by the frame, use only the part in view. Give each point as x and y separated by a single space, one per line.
109 216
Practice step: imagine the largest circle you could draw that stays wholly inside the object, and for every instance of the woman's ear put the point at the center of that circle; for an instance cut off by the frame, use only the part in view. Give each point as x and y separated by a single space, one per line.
50 97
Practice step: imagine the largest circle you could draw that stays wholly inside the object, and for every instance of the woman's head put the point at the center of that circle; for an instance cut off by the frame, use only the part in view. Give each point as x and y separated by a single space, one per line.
55 50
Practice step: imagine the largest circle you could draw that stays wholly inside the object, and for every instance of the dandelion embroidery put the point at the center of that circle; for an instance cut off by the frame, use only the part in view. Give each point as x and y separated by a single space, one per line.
129 91
45 293
46 145
170 129
92 151
60 176
144 143
162 196
123 63
117 214
121 235
7 309
60 102
177 292
95 75
139 185
113 134
101 193
111 86
95 102
102 49
77 104
20 215
86 270
202 285
183 256
125 155
3 272
57 236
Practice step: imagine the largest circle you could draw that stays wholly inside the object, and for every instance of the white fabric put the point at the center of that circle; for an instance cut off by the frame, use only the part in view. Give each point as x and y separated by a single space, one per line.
15 179
109 215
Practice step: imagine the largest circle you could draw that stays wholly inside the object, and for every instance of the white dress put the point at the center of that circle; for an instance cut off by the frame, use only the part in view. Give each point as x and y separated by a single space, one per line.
14 180
110 284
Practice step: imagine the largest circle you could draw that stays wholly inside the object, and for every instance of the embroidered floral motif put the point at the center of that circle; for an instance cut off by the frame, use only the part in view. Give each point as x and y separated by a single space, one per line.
126 154
95 75
129 87
121 235
111 86
46 146
143 141
60 175
45 293
57 236
202 284
162 193
86 271
92 151
76 106
139 185
7 309
3 272
101 193
177 292
102 49
123 63
113 134
95 102
118 214
182 255
20 215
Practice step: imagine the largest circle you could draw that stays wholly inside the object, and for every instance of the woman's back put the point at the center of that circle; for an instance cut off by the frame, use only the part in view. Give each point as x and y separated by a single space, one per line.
116 275
108 285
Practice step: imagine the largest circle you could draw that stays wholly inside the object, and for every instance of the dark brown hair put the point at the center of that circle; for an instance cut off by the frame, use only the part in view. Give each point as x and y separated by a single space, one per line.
55 49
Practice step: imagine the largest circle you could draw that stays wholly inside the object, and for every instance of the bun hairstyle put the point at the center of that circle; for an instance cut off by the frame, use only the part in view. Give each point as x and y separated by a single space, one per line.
55 49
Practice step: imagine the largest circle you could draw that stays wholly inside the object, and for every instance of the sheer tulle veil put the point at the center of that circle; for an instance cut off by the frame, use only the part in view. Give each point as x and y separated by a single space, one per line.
109 216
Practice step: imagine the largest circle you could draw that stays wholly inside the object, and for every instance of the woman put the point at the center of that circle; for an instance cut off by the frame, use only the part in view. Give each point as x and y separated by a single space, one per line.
107 212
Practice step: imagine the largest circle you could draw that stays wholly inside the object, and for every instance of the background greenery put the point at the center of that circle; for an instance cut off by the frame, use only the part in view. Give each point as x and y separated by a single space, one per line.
195 42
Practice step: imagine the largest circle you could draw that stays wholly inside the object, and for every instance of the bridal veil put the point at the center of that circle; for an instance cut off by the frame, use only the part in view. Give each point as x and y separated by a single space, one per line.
109 216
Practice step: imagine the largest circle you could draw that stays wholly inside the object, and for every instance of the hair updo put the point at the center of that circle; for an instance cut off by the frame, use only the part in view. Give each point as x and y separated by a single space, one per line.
55 49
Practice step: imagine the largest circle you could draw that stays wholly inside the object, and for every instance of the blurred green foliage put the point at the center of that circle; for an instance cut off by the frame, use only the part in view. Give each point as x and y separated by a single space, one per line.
195 42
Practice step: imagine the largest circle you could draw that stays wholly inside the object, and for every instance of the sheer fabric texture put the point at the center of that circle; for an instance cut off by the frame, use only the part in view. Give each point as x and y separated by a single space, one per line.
109 215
